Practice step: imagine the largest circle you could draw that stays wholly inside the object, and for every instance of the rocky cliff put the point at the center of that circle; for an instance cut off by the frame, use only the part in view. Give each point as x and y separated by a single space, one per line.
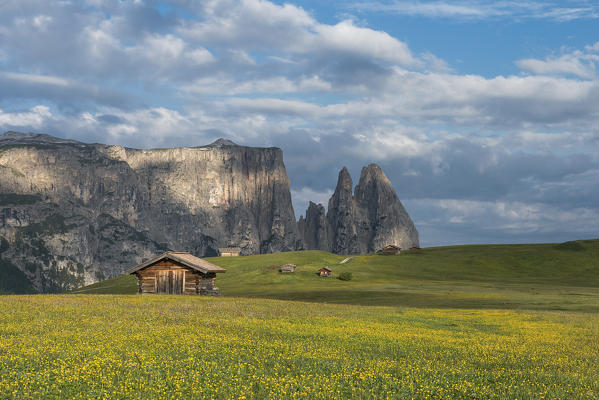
73 213
362 222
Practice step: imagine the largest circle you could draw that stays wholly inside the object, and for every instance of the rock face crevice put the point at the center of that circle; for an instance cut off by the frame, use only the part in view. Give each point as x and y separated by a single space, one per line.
73 213
314 228
360 223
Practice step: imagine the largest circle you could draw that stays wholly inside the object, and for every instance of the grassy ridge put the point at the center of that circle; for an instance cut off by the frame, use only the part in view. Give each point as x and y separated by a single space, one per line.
190 347
539 276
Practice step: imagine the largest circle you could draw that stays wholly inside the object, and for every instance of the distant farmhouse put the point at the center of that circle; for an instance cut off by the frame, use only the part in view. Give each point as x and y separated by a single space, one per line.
287 268
325 272
229 251
391 250
176 273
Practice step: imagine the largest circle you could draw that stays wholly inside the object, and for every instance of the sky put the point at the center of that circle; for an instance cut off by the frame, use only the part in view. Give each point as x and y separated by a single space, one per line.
483 114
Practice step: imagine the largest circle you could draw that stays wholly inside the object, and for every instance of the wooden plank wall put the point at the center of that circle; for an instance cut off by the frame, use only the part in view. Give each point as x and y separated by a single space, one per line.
147 278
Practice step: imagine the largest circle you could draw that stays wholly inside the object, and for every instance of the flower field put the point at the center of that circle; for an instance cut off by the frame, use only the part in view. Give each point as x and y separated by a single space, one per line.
168 347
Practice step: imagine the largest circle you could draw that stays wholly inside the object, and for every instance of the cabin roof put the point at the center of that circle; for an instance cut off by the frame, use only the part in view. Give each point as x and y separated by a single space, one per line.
391 246
229 249
326 269
184 258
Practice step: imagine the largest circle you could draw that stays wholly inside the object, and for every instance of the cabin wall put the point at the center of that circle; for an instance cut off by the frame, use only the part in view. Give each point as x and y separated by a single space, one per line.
208 285
147 281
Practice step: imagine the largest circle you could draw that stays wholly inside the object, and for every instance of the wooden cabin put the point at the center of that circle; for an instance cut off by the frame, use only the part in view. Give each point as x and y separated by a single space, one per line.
415 248
391 250
176 273
229 251
325 271
287 268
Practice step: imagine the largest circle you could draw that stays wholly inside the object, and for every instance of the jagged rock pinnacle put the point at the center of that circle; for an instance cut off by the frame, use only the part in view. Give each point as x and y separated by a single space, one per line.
362 222
222 143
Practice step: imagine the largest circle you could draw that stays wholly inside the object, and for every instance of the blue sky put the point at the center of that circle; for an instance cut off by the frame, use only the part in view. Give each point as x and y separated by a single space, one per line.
484 115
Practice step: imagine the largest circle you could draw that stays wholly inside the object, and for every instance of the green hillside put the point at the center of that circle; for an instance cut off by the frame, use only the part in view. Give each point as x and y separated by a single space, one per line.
538 276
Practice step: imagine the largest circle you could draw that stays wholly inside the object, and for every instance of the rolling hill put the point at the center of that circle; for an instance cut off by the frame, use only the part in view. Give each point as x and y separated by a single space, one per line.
531 276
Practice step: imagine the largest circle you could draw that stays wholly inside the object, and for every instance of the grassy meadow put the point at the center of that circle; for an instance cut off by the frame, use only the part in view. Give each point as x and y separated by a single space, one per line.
463 322
528 276
188 347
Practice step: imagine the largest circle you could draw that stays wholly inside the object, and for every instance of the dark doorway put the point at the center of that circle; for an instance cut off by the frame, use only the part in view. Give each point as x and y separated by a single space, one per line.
170 282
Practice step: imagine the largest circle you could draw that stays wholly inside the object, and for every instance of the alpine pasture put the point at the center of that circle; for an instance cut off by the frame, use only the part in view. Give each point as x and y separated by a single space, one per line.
487 322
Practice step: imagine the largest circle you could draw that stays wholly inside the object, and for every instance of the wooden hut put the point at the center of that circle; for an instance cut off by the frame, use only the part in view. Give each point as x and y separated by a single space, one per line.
287 268
391 250
325 271
176 273
229 251
415 248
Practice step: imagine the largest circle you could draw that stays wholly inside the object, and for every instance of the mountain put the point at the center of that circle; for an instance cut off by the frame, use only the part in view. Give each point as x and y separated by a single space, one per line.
73 213
359 223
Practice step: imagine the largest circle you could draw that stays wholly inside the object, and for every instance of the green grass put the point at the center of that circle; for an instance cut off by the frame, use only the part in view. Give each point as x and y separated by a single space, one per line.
192 347
465 322
532 276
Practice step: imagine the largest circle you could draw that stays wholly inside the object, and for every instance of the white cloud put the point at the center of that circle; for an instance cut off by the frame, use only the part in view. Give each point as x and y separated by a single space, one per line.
36 117
168 51
592 48
484 9
460 100
507 219
259 25
577 63
34 79
429 9
331 94
41 22
226 85
248 24
276 106
347 38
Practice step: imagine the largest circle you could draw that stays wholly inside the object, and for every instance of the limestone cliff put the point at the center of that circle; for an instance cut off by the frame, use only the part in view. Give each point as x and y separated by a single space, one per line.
364 222
73 213
380 217
343 237
313 229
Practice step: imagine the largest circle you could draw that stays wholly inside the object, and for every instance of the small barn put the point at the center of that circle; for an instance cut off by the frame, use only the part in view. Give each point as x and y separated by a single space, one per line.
287 268
325 271
229 251
390 250
176 273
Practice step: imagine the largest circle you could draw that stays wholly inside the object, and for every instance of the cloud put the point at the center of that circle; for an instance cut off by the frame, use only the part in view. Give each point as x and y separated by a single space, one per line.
63 92
346 38
460 100
248 24
506 149
478 10
429 9
500 221
261 25
226 85
34 118
578 63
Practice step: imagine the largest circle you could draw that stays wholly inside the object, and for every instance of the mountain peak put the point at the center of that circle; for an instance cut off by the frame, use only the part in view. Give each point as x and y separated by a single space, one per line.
373 173
344 181
222 143
19 138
